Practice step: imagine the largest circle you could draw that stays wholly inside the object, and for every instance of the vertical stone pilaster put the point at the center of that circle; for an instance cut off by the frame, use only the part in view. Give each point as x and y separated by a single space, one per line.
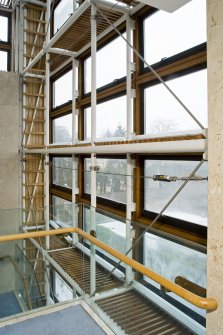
215 163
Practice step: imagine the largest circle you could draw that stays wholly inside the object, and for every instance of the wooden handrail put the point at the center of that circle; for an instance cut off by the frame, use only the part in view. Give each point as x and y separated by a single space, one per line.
209 304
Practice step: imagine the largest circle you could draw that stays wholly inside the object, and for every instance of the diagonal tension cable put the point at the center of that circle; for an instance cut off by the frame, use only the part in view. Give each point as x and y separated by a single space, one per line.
150 67
152 223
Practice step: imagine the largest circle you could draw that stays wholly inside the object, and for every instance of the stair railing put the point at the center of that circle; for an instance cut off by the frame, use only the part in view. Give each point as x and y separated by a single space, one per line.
210 304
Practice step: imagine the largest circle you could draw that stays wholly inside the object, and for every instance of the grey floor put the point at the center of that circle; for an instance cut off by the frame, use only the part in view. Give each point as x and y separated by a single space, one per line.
70 321
9 304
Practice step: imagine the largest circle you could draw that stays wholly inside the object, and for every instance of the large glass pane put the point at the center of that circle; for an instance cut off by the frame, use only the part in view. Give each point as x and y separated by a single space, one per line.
163 114
87 175
111 64
110 119
111 179
62 211
62 129
3 29
62 291
168 34
170 260
62 171
3 61
109 231
62 12
191 204
62 89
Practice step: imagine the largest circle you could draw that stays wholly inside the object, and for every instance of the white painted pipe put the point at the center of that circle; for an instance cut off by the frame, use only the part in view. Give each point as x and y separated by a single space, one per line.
128 81
74 90
74 205
36 76
62 52
13 41
93 72
93 137
177 146
21 37
47 100
114 7
93 224
46 142
59 33
129 201
17 41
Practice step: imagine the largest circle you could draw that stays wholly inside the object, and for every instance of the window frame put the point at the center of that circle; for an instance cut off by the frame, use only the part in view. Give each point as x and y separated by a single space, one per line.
167 220
101 44
165 61
166 78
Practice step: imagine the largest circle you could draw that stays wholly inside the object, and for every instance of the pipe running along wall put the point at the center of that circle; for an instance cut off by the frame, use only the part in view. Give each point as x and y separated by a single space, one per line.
210 304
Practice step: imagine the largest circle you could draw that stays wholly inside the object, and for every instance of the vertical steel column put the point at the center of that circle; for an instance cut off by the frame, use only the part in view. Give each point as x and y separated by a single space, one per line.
129 120
21 37
74 139
129 209
13 41
46 177
93 137
16 50
46 142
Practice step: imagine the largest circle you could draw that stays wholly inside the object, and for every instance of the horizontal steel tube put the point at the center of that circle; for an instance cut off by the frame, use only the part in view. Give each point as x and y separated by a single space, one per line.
178 146
209 304
62 52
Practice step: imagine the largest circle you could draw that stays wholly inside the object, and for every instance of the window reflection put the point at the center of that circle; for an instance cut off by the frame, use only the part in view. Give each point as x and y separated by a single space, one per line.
62 129
62 171
62 89
168 34
109 231
4 29
170 259
62 211
61 13
111 179
110 70
163 114
110 119
3 61
191 204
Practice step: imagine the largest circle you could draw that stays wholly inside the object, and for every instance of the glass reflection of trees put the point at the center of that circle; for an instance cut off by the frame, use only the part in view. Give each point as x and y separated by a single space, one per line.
191 204
111 178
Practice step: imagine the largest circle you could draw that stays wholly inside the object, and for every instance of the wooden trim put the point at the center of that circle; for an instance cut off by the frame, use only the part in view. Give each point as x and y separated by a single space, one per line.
174 231
191 62
61 194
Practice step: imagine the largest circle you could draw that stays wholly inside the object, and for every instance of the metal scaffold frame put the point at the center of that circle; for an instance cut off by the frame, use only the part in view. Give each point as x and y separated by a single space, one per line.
35 146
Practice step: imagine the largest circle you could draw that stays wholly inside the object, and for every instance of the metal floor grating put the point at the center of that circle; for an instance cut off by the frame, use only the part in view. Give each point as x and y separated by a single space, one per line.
138 316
